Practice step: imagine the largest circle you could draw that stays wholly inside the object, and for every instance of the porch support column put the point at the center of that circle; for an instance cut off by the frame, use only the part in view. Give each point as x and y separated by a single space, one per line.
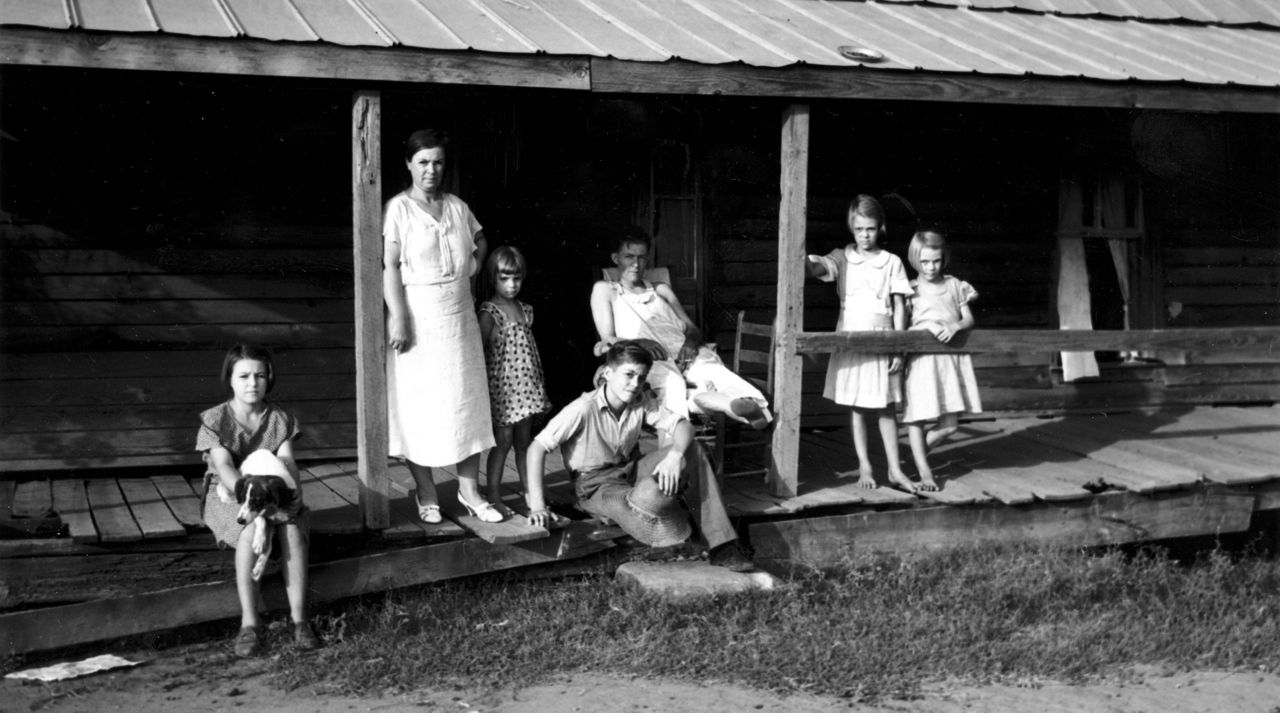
784 464
371 340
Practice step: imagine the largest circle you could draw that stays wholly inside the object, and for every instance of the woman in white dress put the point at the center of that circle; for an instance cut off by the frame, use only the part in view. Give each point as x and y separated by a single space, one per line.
437 392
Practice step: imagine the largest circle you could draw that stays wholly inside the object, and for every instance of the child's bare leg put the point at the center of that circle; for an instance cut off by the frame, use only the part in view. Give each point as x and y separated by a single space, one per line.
521 438
919 453
293 553
888 423
859 426
246 588
948 423
496 464
424 483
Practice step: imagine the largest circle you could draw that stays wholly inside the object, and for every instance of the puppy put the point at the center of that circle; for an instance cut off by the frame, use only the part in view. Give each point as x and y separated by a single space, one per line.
268 496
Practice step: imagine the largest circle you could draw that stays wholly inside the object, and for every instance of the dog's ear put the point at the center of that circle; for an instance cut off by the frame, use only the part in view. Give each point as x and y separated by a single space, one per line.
241 485
280 492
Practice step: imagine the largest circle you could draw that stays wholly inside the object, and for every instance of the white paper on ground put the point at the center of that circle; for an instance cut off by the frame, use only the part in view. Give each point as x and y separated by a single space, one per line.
72 669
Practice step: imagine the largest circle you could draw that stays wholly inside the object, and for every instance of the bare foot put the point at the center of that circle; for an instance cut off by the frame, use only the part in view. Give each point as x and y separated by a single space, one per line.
928 484
866 479
749 412
903 482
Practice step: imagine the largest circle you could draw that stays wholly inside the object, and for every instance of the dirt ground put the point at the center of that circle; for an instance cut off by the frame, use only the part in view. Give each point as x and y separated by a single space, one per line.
204 678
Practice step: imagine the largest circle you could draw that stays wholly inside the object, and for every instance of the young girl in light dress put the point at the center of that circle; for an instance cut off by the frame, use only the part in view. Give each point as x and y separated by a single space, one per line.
517 391
872 285
939 387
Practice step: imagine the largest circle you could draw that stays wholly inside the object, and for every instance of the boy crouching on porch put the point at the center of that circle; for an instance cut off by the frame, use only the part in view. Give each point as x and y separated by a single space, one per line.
600 432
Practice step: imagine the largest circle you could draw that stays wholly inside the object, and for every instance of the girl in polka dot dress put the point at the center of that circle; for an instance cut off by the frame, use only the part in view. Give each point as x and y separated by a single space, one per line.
517 391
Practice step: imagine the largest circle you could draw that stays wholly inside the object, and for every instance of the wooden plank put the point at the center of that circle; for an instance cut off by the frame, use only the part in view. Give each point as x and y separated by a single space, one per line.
371 342
345 481
7 490
512 530
185 390
31 498
81 313
183 261
247 57
1128 470
185 287
72 505
183 501
1004 458
1109 519
149 509
1215 461
212 337
999 486
115 522
811 82
784 453
56 462
57 627
159 364
1259 339
330 514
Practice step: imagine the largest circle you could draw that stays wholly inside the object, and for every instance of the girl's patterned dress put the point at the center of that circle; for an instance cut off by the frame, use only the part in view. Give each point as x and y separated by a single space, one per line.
218 427
516 386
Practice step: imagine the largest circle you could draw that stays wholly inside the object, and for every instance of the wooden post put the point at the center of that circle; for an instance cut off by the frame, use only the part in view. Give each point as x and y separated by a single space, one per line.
784 461
371 340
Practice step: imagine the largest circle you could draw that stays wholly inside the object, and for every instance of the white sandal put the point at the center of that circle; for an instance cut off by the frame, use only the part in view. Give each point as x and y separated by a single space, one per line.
484 512
429 514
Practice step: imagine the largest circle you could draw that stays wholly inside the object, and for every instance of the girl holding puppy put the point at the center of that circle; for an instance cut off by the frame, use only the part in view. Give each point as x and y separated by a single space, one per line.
229 433
939 387
517 391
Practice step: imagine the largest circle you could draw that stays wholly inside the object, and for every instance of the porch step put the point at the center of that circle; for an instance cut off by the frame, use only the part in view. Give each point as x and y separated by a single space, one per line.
682 581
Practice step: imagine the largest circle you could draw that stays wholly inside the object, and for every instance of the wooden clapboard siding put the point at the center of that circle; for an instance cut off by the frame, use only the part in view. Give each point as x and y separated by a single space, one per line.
112 343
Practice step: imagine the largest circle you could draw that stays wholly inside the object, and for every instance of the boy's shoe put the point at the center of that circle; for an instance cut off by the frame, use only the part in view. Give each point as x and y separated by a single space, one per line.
248 643
731 557
304 639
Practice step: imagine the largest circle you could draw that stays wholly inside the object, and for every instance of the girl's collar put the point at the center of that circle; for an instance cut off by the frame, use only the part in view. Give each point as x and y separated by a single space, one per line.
878 260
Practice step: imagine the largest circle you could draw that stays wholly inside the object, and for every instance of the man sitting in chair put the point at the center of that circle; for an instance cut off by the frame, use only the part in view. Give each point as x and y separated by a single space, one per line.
633 309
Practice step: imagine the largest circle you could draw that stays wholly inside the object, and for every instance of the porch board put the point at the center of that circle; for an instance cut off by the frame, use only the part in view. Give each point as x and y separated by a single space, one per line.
1016 462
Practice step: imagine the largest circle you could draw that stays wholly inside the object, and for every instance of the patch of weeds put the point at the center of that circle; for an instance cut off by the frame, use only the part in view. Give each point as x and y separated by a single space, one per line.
865 631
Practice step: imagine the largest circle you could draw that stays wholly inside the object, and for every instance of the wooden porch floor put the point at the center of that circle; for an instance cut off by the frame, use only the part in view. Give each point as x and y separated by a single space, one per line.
1024 461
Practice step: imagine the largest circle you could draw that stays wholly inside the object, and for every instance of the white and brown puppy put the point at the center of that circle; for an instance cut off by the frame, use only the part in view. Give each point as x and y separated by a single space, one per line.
268 496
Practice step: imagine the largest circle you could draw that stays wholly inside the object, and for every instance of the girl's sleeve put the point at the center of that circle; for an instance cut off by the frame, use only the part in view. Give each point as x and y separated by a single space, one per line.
208 437
898 282
967 293
832 262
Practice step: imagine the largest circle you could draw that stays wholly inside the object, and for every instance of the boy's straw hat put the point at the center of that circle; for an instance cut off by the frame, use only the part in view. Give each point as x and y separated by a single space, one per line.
646 513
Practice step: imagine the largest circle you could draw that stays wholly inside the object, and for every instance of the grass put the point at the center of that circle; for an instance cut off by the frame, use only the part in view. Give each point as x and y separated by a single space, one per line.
864 632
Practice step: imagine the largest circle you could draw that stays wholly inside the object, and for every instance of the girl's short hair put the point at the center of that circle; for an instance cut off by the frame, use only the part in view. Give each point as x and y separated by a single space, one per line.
247 351
868 207
425 139
505 259
927 239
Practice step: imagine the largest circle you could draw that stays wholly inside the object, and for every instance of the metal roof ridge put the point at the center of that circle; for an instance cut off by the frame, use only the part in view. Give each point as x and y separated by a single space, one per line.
378 27
863 41
741 31
1187 68
229 17
151 13
791 31
315 36
442 24
926 29
507 27
1038 41
627 29
1132 14
71 11
697 36
568 30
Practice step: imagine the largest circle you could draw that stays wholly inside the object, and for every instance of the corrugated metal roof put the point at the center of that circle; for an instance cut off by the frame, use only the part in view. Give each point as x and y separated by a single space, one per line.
1200 41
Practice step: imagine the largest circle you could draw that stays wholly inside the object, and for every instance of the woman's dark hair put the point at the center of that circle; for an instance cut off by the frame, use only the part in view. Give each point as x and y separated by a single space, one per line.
247 351
425 139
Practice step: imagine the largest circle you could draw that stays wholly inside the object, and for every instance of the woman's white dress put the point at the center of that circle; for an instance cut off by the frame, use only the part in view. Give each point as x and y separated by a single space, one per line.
437 390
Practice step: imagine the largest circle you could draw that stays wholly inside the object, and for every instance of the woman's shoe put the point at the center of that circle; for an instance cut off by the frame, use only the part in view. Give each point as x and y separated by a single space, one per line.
304 638
430 513
484 512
